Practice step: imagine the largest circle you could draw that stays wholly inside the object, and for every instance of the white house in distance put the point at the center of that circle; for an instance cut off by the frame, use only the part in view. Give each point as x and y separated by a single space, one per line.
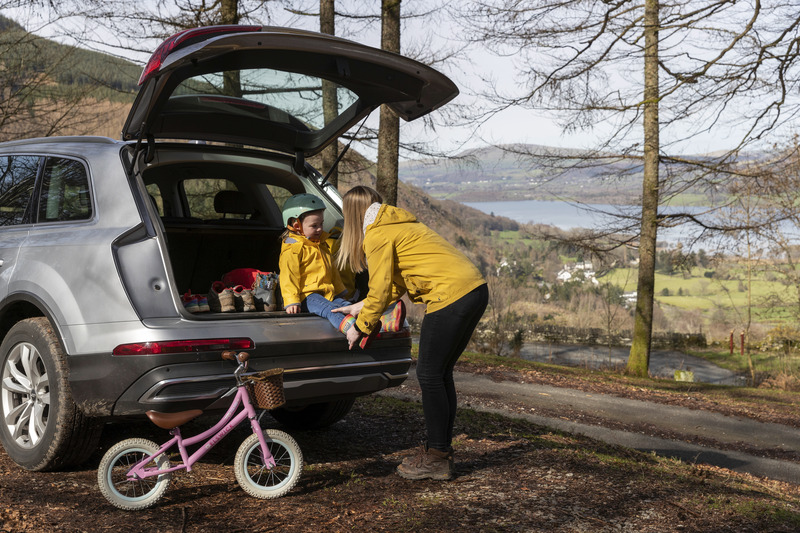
583 271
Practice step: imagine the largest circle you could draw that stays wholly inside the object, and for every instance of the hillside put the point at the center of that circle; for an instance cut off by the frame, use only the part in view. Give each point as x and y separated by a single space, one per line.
525 172
48 88
26 58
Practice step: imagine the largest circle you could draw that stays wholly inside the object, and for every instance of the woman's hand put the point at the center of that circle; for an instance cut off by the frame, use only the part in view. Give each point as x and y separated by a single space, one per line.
352 309
293 309
353 336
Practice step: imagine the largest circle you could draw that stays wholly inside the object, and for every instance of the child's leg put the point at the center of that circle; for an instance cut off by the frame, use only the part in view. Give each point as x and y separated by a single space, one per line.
319 305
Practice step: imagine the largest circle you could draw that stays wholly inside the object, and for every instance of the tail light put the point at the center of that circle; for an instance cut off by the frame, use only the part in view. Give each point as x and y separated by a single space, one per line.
185 38
185 346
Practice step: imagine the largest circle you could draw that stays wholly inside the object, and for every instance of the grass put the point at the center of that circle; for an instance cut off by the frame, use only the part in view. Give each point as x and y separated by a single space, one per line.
707 295
765 362
698 285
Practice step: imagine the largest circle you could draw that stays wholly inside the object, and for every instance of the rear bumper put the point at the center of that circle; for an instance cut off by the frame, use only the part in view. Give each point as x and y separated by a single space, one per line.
169 383
301 385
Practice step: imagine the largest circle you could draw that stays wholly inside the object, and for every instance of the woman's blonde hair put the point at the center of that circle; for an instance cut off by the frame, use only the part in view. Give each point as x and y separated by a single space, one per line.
354 204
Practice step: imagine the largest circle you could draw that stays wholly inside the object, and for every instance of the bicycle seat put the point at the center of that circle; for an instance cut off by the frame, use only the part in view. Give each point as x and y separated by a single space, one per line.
172 420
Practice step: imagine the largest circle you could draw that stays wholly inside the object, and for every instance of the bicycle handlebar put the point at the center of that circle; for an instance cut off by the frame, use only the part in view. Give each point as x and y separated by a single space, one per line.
240 357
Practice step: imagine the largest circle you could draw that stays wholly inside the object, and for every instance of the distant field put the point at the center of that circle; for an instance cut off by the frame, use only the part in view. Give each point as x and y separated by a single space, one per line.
698 292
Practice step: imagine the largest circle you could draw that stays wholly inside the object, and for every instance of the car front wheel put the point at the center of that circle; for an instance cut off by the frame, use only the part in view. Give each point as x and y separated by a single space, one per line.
41 428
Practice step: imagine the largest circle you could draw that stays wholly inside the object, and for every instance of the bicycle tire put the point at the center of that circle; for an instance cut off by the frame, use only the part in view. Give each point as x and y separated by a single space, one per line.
122 492
260 481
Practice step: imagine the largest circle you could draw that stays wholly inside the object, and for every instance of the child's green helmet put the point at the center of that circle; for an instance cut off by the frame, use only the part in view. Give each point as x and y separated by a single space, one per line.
298 204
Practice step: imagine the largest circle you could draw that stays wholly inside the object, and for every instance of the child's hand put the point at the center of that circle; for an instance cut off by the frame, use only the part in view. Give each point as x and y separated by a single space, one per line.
293 309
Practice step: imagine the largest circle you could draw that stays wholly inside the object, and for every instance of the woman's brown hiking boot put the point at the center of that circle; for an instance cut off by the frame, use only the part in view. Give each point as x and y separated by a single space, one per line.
428 463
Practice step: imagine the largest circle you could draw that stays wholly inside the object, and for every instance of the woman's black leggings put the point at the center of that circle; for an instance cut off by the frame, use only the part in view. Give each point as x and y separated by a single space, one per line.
443 336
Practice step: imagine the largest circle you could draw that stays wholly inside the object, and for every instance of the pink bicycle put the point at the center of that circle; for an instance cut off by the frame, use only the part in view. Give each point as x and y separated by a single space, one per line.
135 473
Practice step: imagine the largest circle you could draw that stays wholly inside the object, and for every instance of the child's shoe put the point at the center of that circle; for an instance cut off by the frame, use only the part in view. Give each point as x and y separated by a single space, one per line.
220 298
202 303
243 299
366 340
394 317
190 302
347 323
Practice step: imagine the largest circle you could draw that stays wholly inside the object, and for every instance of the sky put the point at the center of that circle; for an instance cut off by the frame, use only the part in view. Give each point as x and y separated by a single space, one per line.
515 125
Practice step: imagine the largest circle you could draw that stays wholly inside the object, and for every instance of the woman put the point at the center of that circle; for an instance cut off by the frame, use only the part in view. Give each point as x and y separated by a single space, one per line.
405 256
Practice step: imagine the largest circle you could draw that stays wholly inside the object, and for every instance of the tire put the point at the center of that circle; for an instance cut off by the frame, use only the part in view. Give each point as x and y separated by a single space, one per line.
267 483
41 427
314 416
114 483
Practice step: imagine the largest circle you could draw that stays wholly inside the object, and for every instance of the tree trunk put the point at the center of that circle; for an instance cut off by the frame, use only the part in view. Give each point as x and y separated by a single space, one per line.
229 14
330 101
639 358
389 130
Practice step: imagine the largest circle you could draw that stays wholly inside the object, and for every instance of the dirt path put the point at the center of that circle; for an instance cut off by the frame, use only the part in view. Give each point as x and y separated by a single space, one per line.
692 435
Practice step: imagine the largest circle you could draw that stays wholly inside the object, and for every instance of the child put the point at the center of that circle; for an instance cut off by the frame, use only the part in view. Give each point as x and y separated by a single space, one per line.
309 281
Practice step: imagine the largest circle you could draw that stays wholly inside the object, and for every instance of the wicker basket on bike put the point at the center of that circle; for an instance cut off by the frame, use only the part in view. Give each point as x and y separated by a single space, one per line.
266 388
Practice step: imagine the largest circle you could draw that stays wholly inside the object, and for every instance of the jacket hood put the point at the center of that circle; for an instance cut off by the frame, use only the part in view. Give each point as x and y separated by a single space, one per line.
389 214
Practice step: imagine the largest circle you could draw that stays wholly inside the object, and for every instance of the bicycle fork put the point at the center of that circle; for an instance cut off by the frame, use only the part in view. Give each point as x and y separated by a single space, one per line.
269 461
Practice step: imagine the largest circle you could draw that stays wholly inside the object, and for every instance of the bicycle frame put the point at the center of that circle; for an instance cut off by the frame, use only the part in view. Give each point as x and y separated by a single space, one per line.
212 437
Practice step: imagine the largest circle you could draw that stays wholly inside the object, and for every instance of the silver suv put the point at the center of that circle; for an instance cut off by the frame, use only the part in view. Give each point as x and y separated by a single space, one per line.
99 239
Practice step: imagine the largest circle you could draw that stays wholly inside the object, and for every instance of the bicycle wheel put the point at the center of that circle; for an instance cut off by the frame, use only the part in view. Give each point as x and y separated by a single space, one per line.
262 482
125 493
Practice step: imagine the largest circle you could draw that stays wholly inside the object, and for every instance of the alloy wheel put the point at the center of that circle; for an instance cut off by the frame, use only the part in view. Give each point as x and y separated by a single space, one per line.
25 395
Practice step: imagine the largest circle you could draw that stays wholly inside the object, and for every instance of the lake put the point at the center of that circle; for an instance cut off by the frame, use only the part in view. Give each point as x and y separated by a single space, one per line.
561 214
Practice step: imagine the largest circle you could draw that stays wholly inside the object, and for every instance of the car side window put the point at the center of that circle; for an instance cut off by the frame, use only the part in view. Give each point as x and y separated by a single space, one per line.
17 179
155 196
65 191
211 199
279 194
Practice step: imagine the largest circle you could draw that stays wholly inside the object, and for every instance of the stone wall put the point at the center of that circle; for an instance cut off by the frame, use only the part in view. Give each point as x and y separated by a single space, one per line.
597 336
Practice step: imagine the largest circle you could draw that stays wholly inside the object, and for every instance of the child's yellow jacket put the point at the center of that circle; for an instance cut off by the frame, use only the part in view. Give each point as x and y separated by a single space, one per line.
306 267
404 255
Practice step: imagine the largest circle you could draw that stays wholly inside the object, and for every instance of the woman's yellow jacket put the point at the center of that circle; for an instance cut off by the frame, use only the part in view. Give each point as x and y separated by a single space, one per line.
306 267
404 255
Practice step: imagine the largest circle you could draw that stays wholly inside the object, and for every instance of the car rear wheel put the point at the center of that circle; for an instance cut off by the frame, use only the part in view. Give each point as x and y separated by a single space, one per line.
314 416
41 427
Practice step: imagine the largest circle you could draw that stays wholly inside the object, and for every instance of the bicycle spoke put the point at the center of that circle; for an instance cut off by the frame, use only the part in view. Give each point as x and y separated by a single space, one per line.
264 476
130 487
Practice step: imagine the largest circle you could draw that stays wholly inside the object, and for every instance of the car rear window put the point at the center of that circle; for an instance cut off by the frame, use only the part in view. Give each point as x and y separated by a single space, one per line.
293 99
65 191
